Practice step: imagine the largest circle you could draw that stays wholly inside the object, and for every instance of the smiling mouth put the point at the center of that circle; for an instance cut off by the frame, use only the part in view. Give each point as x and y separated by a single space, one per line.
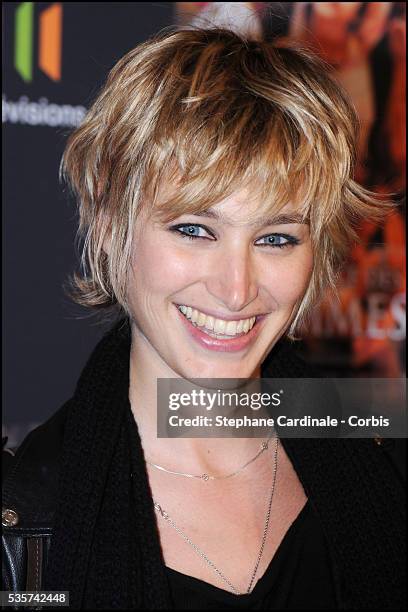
220 329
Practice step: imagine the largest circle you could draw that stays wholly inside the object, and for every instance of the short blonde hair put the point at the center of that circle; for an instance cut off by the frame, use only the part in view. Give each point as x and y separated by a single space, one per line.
213 111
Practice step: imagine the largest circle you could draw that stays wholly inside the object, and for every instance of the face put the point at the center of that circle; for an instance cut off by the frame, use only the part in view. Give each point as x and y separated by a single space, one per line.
210 294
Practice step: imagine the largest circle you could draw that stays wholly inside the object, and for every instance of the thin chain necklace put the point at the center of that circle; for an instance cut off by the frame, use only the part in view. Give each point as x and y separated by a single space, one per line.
207 477
198 550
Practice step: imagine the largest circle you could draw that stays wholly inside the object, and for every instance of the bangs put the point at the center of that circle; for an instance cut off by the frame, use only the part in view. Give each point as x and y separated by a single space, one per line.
274 174
235 124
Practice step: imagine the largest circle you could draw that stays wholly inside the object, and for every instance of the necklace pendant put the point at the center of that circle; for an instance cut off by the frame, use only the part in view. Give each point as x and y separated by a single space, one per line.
264 445
205 477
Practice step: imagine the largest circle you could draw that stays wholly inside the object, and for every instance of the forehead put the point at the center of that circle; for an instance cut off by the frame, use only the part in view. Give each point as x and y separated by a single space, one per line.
244 206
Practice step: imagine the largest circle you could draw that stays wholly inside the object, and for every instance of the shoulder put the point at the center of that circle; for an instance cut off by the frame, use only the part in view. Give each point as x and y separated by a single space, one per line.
285 361
395 453
30 480
30 474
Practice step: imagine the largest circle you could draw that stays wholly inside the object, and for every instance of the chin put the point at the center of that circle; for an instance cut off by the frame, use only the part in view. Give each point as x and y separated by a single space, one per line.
217 370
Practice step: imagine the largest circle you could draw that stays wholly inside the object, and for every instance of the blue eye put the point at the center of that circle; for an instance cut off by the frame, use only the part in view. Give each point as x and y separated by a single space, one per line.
190 230
279 240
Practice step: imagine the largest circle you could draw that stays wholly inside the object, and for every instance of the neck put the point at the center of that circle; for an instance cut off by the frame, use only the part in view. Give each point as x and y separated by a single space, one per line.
192 455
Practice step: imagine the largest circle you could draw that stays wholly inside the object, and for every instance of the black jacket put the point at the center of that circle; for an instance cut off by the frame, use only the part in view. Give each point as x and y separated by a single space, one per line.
29 490
30 478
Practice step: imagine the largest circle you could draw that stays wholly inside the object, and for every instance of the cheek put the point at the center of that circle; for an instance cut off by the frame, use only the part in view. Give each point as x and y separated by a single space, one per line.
302 272
290 276
160 268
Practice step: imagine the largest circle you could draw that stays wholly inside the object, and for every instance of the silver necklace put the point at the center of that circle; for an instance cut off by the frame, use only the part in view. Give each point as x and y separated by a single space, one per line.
207 477
198 550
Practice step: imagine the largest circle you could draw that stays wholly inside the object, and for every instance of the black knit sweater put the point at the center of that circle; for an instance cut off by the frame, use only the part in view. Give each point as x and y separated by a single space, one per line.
106 549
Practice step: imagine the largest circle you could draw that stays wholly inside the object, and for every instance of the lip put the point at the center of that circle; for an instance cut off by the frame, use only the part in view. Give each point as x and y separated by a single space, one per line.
214 344
219 315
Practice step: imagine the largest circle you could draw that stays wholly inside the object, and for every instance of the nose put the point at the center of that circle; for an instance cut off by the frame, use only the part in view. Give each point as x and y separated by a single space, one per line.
232 280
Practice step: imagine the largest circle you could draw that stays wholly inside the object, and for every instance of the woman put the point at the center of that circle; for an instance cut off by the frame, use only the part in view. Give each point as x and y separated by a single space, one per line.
214 181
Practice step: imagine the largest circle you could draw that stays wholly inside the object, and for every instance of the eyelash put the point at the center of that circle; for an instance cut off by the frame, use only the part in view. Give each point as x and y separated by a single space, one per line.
291 240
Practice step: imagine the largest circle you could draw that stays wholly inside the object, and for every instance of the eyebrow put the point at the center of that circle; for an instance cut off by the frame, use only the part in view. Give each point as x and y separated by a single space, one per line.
280 219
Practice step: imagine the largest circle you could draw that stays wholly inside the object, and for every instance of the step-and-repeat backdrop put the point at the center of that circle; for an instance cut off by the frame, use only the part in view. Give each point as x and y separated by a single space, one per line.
56 56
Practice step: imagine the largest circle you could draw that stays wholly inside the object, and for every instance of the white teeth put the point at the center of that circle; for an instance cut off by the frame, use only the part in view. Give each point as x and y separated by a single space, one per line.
209 324
239 327
231 328
220 327
201 319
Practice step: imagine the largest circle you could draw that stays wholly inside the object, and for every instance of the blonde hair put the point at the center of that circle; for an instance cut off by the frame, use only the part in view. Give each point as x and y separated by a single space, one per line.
213 111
